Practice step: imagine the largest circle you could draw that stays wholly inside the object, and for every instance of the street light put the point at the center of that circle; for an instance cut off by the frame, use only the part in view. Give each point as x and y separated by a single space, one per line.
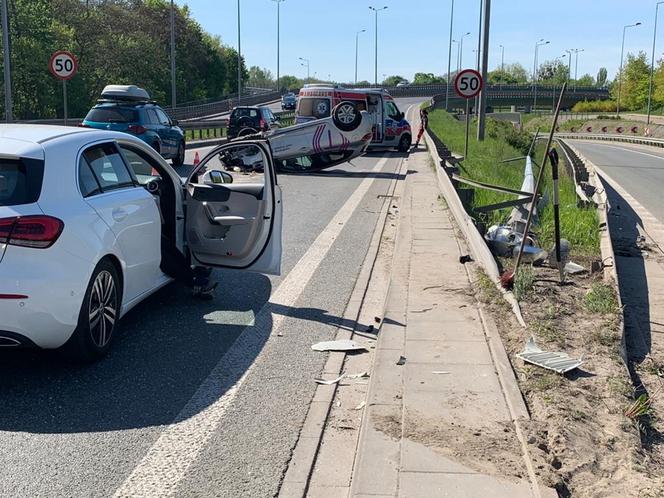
173 95
502 64
576 64
461 50
376 11
239 57
449 59
620 75
305 63
540 43
278 23
569 64
652 62
553 98
357 34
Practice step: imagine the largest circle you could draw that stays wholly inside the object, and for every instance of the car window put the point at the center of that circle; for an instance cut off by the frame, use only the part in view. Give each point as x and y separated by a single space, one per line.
20 181
112 114
318 108
392 111
152 116
108 167
86 179
241 113
244 164
140 163
163 118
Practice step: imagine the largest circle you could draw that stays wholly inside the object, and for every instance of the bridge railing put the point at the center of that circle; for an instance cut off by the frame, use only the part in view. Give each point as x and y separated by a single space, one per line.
653 142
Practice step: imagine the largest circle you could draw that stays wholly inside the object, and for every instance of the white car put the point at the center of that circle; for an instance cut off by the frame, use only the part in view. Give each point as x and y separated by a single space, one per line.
83 217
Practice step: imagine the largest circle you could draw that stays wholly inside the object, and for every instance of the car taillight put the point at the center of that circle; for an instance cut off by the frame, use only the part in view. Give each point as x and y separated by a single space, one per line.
136 129
38 231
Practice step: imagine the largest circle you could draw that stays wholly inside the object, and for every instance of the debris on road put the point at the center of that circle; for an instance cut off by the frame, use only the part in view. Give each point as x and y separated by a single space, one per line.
328 382
361 375
441 372
402 360
376 319
556 361
360 406
465 259
341 345
573 268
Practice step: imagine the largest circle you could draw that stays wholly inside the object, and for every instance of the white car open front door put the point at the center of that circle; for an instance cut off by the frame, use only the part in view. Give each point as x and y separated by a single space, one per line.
234 210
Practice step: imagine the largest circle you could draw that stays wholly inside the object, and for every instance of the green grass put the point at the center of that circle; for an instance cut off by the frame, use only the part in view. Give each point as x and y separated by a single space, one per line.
523 283
600 299
579 226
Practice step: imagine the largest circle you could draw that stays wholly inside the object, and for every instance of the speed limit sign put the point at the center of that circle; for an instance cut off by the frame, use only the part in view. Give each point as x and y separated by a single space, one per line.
63 65
468 83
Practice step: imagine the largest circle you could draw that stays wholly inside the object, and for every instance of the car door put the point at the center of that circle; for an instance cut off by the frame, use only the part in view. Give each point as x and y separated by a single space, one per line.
234 210
129 211
169 136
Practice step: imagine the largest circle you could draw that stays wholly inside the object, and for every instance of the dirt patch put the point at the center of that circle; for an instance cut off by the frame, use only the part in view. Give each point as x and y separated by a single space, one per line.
579 438
389 425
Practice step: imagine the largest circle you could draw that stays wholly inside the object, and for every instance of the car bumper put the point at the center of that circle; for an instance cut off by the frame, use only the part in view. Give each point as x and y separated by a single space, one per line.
48 316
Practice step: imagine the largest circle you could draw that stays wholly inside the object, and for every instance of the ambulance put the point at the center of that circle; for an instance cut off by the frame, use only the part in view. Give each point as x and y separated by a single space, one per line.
390 128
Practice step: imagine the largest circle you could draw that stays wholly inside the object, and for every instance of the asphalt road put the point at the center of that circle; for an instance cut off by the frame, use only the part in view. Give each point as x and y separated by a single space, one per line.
203 392
638 169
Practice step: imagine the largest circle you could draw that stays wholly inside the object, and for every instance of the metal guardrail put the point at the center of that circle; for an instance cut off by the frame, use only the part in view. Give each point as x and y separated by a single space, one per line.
219 107
653 142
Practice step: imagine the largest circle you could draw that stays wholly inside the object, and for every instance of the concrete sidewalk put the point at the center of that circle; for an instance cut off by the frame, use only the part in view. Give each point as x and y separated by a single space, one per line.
440 424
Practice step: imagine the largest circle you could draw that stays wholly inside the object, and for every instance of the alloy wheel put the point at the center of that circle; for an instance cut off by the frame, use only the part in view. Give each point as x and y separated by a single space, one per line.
346 114
102 310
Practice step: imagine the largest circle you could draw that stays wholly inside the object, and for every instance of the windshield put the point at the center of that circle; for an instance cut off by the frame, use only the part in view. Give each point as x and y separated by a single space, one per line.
20 181
112 115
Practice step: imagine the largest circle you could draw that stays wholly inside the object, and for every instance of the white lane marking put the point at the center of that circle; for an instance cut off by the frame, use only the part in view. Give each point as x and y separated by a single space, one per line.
178 446
628 149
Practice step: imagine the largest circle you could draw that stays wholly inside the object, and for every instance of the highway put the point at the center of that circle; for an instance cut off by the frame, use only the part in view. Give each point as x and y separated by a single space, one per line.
203 393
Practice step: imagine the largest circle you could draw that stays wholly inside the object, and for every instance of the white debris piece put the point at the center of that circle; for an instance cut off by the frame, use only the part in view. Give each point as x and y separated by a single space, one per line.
342 345
556 361
328 382
573 268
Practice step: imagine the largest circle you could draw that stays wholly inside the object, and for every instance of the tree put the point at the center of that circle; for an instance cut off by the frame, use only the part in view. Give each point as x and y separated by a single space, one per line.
393 80
514 74
261 78
602 77
635 76
585 80
291 82
553 72
428 79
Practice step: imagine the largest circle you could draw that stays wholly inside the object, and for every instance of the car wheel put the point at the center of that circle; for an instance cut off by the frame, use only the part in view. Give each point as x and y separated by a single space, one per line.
98 316
178 160
404 143
346 116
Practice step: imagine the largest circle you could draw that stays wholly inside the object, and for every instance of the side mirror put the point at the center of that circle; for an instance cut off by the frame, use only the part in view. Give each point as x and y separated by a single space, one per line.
401 116
174 122
228 178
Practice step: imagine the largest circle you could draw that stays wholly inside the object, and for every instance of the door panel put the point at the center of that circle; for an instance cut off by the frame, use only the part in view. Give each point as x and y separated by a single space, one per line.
237 224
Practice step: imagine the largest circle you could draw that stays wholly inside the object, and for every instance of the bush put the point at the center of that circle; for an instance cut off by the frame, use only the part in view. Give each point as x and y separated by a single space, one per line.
504 130
595 106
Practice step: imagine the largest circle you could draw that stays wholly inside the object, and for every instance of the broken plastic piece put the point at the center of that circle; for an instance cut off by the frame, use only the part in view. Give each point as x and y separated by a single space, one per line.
439 372
573 268
361 375
360 406
328 382
556 361
342 345
402 360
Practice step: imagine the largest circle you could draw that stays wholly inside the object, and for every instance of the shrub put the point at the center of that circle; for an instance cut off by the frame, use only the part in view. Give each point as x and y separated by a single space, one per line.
504 130
595 106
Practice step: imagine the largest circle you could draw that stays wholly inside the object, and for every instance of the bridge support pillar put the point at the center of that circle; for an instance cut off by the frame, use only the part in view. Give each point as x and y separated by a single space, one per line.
512 108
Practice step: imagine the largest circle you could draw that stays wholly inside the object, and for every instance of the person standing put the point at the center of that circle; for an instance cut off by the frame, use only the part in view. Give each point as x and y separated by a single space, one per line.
424 124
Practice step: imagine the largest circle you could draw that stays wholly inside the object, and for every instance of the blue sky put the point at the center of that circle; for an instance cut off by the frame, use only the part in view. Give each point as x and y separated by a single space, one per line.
413 34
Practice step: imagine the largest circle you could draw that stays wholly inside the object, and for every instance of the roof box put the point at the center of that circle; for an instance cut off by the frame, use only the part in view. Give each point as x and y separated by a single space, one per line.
124 92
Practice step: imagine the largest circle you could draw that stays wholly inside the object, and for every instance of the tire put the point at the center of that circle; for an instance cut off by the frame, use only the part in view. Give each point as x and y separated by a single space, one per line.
346 116
97 320
404 143
178 160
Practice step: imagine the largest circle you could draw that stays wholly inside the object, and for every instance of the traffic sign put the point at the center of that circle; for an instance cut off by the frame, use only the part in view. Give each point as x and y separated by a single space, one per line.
63 65
468 83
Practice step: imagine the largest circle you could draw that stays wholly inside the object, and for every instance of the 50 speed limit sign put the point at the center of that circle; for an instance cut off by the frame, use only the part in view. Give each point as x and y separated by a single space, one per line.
468 83
63 65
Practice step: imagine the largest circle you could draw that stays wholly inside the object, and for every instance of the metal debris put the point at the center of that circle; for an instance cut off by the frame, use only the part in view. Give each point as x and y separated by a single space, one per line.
556 361
441 372
573 268
342 345
402 360
328 382
361 375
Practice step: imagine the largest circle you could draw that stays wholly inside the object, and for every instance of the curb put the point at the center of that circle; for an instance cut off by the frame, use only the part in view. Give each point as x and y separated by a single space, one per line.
478 247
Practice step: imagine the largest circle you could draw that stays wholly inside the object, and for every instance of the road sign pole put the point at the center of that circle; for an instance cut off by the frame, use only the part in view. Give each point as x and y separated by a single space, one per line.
64 98
6 63
465 147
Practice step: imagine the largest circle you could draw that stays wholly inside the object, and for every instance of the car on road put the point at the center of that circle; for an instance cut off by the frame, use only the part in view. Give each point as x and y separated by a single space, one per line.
128 108
403 84
288 102
248 120
87 217
391 129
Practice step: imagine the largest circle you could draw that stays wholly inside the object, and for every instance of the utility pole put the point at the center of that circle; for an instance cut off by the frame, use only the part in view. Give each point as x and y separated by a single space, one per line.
376 11
278 28
173 91
652 62
449 60
357 34
7 63
479 51
239 57
481 123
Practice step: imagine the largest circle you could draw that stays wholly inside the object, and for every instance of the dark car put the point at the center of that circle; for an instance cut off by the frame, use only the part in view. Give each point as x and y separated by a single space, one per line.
288 101
129 109
247 120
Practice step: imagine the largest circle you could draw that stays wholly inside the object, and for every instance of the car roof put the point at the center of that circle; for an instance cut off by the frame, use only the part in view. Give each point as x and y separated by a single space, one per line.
27 140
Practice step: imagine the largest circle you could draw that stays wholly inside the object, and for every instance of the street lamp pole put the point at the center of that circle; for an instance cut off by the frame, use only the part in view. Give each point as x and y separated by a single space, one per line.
620 75
306 63
652 62
449 59
357 34
536 71
576 65
173 91
569 64
461 51
239 57
376 11
553 98
502 65
278 36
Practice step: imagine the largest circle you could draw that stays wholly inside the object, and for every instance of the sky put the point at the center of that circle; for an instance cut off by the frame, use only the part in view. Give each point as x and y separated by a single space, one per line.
413 35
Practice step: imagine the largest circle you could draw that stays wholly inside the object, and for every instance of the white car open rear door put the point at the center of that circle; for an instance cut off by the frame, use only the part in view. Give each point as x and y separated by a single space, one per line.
234 209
